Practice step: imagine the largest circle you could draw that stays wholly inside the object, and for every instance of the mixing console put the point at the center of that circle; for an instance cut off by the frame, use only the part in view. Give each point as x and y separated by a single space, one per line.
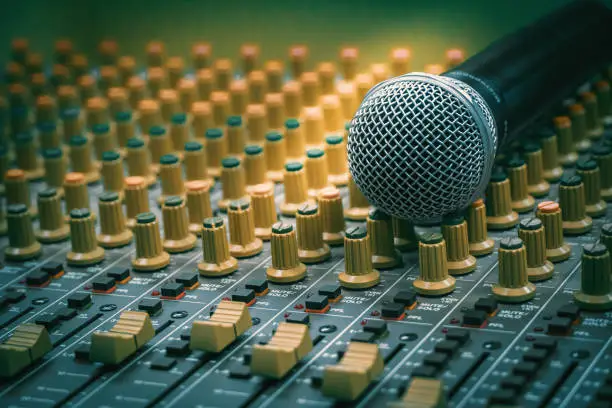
189 235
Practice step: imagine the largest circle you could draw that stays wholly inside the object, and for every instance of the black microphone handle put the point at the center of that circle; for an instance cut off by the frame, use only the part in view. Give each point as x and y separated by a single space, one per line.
525 74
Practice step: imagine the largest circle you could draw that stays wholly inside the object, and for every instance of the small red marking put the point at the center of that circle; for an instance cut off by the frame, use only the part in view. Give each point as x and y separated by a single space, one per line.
155 293
299 306
375 313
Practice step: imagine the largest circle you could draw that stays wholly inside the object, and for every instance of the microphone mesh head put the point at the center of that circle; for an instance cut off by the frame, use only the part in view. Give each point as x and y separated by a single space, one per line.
421 146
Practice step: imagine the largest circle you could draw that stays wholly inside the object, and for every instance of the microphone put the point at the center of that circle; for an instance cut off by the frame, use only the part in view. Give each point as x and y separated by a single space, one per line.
422 146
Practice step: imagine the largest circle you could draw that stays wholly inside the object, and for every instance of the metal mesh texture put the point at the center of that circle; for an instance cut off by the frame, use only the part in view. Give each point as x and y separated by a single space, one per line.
416 150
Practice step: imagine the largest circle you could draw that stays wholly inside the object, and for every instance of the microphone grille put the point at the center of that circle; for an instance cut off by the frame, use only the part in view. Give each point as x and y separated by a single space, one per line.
421 146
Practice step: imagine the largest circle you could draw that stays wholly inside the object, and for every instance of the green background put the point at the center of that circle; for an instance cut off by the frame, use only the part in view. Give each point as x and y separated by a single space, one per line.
427 27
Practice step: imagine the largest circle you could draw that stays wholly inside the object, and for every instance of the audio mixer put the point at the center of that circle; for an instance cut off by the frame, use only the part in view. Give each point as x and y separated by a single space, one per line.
187 233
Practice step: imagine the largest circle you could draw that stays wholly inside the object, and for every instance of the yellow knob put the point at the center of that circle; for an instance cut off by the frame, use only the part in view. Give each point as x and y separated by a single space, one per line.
296 144
127 68
104 139
18 190
187 93
160 145
150 254
602 90
169 102
348 99
217 260
296 189
579 128
316 172
124 127
595 291
239 96
137 91
264 210
298 56
531 231
255 166
216 150
195 163
359 207
27 156
177 237
175 66
455 233
380 230
348 60
157 80
81 158
48 136
201 112
513 285
606 236
113 230
404 235
292 95
332 113
275 106
200 55
139 160
149 114
603 156
358 272
257 86
22 242
433 279
591 113
330 204
310 90
313 127
53 227
479 242
536 184
522 201
274 73
243 242
85 250
567 149
112 173
97 111
156 54
236 138
286 266
179 132
136 198
198 204
249 54
232 181
311 248
76 194
400 61
220 107
499 203
573 207
549 213
551 170
327 77
335 150
257 122
275 152
55 169
171 176
589 171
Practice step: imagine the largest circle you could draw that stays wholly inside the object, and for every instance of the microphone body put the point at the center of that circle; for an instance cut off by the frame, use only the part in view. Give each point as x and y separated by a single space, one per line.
422 146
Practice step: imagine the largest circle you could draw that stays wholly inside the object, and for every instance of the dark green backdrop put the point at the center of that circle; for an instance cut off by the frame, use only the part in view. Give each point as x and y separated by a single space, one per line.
428 27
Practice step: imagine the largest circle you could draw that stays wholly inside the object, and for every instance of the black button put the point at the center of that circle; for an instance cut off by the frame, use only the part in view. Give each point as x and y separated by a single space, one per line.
52 268
316 380
187 279
609 379
514 382
186 336
504 396
331 291
37 278
151 306
119 274
392 310
301 318
570 311
3 301
103 283
178 348
535 355
547 344
172 290
486 304
15 297
240 371
246 358
560 325
375 326
364 337
474 318
317 302
604 393
525 369
79 300
163 363
66 313
244 295
448 347
258 285
82 352
405 297
49 321
425 371
438 360
459 335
